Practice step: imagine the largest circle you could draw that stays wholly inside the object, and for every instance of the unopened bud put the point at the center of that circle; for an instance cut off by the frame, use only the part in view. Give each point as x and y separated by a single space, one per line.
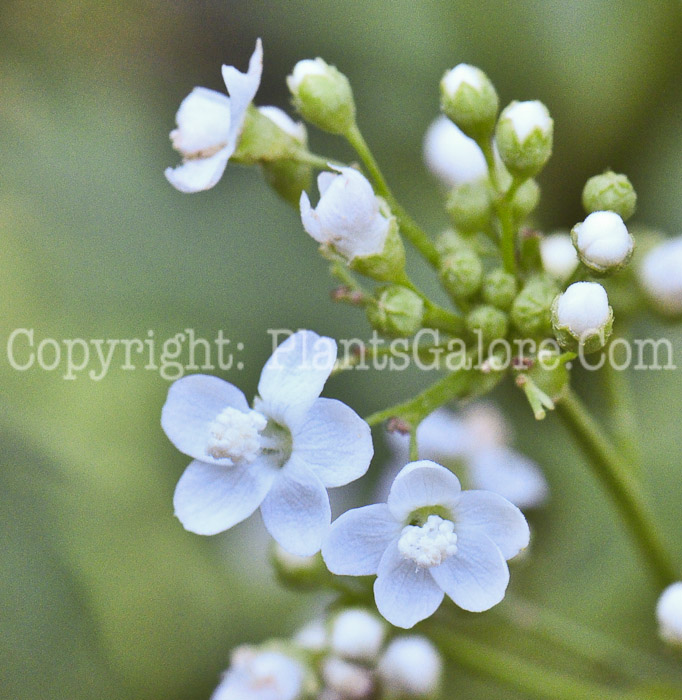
559 257
461 272
357 634
469 99
669 614
524 137
582 317
610 192
397 311
411 666
487 322
659 274
603 242
530 312
470 206
499 289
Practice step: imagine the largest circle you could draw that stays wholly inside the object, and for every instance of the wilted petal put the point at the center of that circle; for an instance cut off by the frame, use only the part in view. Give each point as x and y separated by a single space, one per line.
476 577
193 403
293 377
358 539
199 173
334 442
423 483
210 498
242 88
405 593
296 510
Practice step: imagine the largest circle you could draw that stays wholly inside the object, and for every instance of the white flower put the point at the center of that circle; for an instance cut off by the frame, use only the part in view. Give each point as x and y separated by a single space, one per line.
430 538
279 117
280 456
451 155
559 257
209 126
669 614
357 634
476 442
526 117
347 215
411 666
603 241
583 309
261 675
660 273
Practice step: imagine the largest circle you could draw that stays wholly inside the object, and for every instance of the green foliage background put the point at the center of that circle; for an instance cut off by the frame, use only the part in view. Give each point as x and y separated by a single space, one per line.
102 593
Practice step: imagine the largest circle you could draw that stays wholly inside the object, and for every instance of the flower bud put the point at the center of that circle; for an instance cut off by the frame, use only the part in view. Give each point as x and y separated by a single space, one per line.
322 95
451 155
397 311
524 137
582 317
669 614
661 277
312 637
461 272
603 242
488 323
449 242
411 666
357 634
610 192
530 312
346 680
348 217
470 206
499 289
469 99
559 258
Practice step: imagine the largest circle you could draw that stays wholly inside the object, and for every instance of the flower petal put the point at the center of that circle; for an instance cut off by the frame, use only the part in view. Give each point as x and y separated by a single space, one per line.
203 121
441 436
404 592
510 474
423 483
210 498
199 173
476 577
497 518
334 442
193 403
294 375
310 219
358 539
242 88
296 511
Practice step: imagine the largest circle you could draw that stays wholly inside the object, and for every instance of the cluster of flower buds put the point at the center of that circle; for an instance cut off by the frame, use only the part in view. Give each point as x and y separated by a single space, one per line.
347 656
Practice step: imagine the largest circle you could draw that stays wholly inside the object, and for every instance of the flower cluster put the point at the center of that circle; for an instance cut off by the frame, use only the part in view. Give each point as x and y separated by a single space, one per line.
503 280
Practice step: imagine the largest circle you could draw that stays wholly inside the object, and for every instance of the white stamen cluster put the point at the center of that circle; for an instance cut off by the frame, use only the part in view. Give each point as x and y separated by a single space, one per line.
430 544
236 435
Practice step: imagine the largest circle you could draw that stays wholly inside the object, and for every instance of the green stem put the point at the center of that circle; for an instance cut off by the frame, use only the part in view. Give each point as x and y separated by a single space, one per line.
503 208
625 428
585 643
616 476
517 673
417 237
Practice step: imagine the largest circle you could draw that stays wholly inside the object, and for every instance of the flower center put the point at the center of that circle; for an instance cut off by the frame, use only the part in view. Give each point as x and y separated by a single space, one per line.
429 544
236 435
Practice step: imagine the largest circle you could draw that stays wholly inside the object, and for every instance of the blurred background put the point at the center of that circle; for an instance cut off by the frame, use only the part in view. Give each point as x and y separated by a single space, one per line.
102 593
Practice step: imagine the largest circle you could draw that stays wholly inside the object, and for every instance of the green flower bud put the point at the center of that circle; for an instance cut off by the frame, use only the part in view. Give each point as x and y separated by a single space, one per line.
526 199
470 206
610 192
469 99
387 266
524 137
322 95
450 241
268 135
531 310
499 289
582 317
461 273
488 322
396 311
288 178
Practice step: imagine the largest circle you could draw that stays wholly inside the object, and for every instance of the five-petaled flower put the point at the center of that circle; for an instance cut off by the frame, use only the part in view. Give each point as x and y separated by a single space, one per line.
430 538
209 126
281 455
